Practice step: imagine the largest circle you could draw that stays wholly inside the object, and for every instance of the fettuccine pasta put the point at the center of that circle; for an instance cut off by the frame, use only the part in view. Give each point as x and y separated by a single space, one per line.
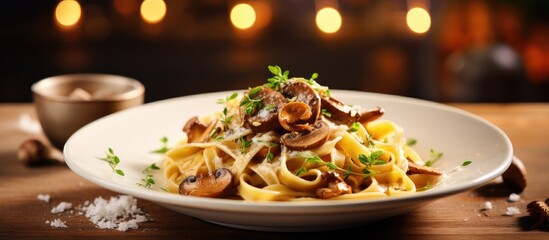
290 140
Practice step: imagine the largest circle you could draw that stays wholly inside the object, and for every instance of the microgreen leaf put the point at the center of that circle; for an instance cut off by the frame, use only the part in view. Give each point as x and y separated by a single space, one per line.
227 99
325 112
466 163
435 156
411 142
164 148
148 181
113 161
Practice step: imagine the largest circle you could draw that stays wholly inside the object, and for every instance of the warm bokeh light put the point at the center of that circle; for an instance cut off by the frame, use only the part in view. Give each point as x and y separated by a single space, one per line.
243 16
153 11
328 20
418 20
68 12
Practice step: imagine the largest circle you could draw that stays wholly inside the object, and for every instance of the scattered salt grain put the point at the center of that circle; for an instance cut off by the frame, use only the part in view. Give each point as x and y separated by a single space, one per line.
61 207
43 197
57 223
514 197
487 206
120 213
512 211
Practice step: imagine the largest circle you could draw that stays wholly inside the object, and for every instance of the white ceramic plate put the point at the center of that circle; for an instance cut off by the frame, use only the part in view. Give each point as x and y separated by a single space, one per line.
135 132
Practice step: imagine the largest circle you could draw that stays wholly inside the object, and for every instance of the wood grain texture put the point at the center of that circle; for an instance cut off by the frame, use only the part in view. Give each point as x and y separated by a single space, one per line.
23 216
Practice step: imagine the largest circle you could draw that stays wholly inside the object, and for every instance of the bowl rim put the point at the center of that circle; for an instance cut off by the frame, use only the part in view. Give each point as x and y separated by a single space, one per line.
137 88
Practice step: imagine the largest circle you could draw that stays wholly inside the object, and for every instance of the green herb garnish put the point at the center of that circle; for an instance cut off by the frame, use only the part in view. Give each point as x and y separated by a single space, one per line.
278 78
426 187
148 181
354 127
466 163
411 142
249 103
113 161
244 144
227 99
346 172
435 156
164 147
325 113
372 159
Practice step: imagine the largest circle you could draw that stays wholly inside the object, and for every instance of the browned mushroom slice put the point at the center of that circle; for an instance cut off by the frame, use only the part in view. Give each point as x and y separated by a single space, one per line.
306 140
293 115
217 185
370 115
339 112
197 131
300 91
264 118
336 186
413 168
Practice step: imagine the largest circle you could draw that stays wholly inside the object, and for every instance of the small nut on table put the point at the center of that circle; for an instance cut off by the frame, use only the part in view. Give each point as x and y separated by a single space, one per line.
515 176
540 211
34 153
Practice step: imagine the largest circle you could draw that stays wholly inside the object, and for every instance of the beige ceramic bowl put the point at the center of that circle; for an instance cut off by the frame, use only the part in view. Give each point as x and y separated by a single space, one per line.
66 103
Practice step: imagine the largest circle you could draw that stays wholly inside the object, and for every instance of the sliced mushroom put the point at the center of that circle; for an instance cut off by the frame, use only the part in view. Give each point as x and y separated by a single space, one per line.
370 115
414 168
293 115
265 118
299 91
336 186
197 131
339 112
217 185
306 140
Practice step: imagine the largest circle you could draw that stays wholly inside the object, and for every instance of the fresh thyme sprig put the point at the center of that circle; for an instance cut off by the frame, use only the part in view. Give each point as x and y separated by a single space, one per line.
113 162
411 142
227 99
325 112
148 181
225 118
164 148
372 159
426 187
249 103
354 127
244 144
278 78
345 172
435 156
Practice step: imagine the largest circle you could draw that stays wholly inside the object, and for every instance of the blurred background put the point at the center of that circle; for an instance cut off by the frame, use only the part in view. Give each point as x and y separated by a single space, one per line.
446 51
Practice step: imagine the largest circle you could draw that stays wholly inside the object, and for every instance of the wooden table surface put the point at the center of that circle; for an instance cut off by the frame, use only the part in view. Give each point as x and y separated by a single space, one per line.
23 216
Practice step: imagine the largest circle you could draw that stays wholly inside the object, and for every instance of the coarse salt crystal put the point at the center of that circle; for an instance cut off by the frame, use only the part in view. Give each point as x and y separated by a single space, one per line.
512 211
61 207
43 197
514 197
120 213
487 206
57 223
